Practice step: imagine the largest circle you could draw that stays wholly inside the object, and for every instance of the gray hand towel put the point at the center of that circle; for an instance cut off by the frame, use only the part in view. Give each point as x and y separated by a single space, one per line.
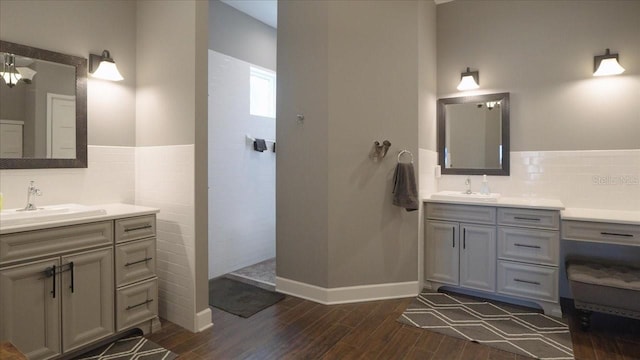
405 192
259 145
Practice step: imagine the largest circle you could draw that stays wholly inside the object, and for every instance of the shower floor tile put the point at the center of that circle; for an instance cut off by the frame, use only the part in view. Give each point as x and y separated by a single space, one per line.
262 274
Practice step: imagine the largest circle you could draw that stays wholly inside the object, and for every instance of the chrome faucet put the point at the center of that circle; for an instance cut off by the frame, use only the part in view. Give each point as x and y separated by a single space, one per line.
32 191
468 184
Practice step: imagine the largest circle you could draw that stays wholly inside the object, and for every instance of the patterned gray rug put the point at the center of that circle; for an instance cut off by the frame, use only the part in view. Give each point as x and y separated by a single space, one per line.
135 347
504 327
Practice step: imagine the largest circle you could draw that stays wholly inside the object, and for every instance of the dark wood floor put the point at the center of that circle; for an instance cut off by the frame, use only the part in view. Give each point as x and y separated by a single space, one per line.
300 329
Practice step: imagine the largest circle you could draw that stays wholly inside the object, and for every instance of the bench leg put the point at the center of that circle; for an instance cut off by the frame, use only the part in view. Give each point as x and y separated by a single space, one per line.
585 319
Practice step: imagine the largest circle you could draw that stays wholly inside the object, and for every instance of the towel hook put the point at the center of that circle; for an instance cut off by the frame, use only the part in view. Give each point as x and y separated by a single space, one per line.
405 151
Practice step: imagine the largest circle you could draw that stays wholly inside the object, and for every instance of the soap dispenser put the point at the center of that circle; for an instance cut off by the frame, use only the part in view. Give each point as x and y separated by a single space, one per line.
484 189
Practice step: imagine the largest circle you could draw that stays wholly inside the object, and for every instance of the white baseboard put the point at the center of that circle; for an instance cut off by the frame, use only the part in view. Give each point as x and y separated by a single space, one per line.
349 294
203 320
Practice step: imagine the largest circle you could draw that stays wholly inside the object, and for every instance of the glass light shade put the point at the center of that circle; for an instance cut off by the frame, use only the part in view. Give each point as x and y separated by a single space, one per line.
468 83
107 70
609 66
26 73
11 78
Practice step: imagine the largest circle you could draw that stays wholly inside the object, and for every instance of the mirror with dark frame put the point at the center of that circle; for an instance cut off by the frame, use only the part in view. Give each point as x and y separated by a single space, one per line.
43 108
473 135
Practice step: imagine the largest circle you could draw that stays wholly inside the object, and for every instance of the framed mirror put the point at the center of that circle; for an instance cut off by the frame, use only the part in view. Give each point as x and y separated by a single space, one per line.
43 108
473 135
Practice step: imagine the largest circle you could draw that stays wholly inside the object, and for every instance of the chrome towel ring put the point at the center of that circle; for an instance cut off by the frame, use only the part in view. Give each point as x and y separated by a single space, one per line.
405 152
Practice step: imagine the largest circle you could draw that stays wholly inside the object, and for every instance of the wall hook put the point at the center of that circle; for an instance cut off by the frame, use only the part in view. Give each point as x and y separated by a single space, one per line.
379 151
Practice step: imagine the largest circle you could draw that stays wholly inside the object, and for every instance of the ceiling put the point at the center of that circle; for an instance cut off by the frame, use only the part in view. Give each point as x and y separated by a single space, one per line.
262 10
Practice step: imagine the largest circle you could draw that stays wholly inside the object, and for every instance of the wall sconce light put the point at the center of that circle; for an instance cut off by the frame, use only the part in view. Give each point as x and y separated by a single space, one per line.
103 67
606 64
9 73
469 80
27 74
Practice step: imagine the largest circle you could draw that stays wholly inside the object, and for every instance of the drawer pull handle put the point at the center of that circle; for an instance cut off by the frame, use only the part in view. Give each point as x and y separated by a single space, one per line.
528 246
615 234
526 218
138 228
136 305
138 262
526 281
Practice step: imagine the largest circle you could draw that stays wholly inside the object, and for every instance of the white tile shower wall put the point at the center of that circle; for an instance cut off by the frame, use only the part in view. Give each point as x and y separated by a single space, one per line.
599 179
165 180
241 180
109 178
428 183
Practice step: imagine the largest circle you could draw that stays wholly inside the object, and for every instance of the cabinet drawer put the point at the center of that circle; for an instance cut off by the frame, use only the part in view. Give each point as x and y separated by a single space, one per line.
528 245
529 281
135 261
462 213
135 228
623 234
543 219
136 303
32 244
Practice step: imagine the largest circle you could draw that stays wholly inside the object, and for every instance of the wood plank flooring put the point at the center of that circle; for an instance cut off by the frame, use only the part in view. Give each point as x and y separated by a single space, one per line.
299 329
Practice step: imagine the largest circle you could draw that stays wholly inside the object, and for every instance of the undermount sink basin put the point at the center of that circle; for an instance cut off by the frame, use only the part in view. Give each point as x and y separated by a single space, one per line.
12 217
462 196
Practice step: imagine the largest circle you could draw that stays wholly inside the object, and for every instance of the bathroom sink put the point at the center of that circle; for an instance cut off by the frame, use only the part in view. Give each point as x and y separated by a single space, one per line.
462 196
12 217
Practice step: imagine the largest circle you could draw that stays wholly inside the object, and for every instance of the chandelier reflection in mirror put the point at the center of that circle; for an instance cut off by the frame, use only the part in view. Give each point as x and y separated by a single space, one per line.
12 74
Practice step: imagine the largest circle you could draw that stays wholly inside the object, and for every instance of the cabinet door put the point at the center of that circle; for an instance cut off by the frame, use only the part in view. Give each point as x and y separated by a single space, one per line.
478 257
30 309
87 298
441 251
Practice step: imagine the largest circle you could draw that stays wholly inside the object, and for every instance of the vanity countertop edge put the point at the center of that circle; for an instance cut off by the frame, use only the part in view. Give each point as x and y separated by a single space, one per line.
113 211
515 202
602 215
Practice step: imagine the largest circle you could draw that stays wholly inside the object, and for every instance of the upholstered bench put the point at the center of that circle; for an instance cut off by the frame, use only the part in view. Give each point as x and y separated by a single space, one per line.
605 288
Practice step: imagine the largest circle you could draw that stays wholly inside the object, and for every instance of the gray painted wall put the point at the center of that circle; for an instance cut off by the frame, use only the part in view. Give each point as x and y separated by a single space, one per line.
79 28
302 163
352 69
542 53
237 34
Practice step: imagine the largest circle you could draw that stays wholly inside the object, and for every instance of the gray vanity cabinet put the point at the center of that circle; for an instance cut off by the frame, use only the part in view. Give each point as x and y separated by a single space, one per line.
29 313
87 298
443 259
460 253
478 257
49 310
506 253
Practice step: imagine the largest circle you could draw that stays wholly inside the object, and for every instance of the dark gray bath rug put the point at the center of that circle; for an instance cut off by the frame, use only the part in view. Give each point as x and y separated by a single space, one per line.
135 347
239 298
508 328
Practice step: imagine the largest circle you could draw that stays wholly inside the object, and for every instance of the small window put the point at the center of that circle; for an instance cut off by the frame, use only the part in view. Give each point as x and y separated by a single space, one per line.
262 101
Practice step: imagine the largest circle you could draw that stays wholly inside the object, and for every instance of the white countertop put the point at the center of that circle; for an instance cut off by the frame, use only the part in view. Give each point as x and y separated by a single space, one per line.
519 202
113 211
600 215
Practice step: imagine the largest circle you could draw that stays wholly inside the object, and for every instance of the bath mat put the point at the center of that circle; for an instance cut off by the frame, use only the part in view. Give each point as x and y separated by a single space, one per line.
134 347
517 330
239 298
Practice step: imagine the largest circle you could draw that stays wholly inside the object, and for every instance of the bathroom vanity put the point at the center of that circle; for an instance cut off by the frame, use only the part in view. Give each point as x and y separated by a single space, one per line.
506 250
67 284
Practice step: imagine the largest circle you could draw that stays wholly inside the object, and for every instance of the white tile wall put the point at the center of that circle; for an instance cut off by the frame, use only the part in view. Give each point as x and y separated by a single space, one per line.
428 183
599 179
109 178
241 181
164 178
